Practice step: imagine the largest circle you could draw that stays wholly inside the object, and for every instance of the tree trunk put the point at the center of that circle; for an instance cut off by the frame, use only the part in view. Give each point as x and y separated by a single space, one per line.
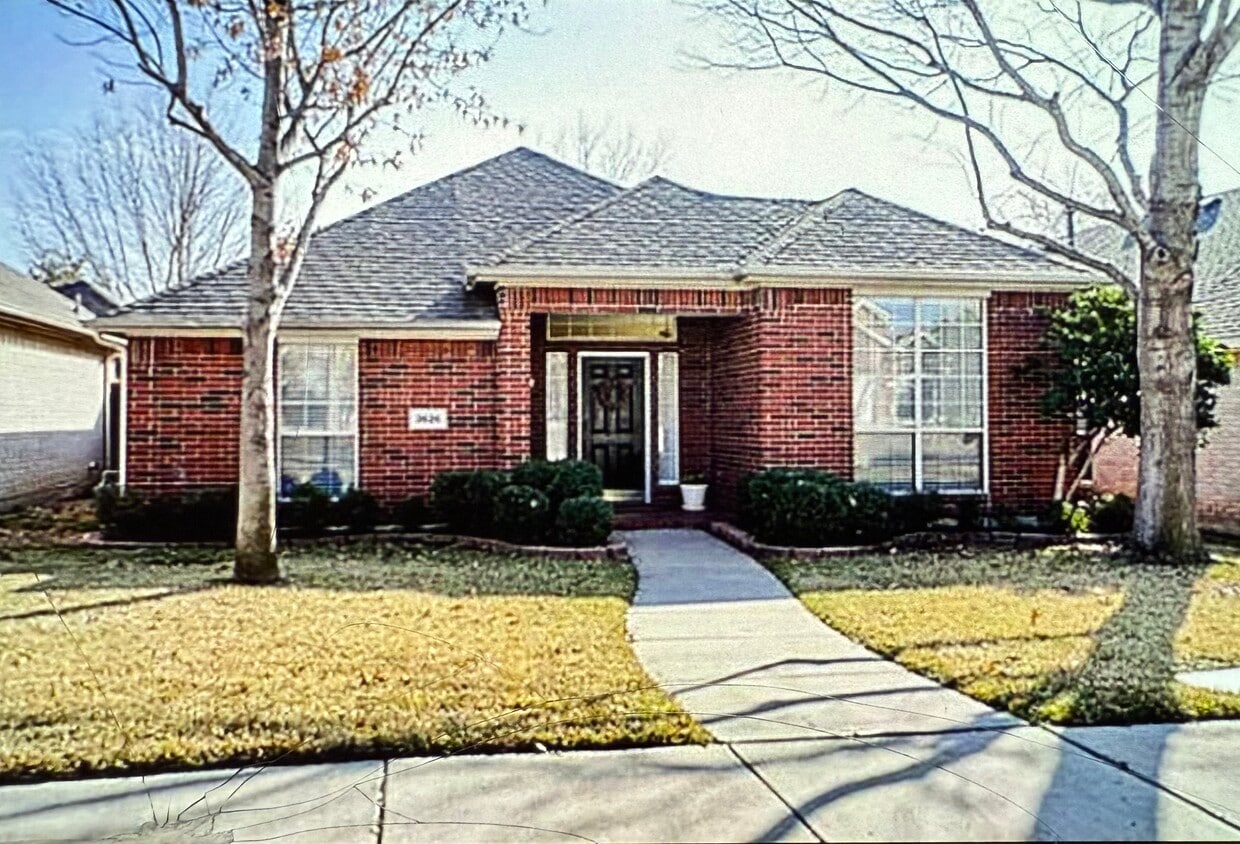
1166 519
256 558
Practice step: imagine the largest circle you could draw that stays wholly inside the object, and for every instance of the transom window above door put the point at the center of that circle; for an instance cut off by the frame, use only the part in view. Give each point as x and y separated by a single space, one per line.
919 385
656 328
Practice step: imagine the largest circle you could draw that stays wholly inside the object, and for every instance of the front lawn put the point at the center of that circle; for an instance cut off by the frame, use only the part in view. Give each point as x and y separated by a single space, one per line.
1060 635
115 661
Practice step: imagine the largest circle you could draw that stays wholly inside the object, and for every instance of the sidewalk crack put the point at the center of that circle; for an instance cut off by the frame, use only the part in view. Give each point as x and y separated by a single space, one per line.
796 813
381 805
1119 765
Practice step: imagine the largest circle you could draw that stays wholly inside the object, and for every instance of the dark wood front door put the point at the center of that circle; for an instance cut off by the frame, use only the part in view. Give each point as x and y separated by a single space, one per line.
614 419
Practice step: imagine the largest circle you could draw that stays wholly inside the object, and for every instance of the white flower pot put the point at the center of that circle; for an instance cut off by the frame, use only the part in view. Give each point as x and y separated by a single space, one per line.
694 496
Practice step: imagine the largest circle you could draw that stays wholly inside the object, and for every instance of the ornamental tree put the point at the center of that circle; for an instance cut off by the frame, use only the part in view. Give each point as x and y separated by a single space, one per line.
310 83
1096 384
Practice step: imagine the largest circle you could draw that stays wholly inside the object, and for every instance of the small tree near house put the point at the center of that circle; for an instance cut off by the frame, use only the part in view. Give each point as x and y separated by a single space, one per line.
1096 385
312 81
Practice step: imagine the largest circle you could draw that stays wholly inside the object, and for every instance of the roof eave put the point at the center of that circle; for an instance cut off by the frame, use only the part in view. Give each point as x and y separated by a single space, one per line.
79 332
429 329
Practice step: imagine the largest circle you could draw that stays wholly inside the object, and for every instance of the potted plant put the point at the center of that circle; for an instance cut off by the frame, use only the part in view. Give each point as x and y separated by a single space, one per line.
693 491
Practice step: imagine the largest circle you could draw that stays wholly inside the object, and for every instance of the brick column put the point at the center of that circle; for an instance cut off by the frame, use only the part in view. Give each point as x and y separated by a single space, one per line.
513 378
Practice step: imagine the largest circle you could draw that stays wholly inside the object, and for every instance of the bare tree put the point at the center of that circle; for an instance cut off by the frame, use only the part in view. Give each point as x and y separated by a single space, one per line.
137 205
617 154
324 75
1079 70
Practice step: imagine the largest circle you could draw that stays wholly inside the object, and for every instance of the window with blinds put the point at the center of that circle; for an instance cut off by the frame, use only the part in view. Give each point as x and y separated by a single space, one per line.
318 416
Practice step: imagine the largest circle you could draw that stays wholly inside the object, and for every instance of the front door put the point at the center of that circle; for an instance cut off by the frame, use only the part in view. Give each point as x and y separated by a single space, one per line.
613 421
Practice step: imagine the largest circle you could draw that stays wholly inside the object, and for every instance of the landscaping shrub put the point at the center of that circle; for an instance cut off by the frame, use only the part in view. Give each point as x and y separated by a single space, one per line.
1112 513
356 510
413 513
582 522
812 507
560 480
208 515
521 514
481 496
917 512
449 502
307 511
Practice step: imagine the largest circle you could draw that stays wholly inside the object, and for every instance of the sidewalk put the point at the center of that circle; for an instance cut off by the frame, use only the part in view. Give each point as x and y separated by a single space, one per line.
819 740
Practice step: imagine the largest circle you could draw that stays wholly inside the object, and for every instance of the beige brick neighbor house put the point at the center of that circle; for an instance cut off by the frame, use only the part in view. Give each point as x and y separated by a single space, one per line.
54 387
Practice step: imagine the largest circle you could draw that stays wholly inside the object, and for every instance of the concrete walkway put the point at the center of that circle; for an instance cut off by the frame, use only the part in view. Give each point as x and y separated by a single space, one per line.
819 740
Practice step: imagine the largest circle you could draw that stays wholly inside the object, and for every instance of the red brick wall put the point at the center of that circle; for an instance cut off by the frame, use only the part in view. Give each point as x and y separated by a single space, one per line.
783 379
183 413
395 375
1024 447
697 383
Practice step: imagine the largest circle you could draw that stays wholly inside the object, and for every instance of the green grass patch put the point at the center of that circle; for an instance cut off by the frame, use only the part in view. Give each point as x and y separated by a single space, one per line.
153 660
1067 636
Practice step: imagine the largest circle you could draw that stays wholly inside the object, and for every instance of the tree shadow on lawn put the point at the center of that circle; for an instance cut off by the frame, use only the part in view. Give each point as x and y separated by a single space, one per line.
362 566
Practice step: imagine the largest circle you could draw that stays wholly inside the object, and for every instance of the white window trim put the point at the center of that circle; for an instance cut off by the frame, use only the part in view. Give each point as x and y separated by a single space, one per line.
646 410
669 400
555 446
919 431
306 340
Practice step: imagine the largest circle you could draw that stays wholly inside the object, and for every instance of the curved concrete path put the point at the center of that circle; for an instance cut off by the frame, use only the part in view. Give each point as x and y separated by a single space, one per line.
860 748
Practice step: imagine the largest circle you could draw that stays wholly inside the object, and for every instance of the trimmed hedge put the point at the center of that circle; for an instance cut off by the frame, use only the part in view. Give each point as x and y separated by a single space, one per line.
810 507
522 514
583 522
210 515
529 505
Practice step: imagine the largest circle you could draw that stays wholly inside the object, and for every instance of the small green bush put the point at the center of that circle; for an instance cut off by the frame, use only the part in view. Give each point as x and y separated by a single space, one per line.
1113 513
813 507
917 512
207 515
583 522
449 502
560 480
306 512
521 514
356 510
481 496
412 513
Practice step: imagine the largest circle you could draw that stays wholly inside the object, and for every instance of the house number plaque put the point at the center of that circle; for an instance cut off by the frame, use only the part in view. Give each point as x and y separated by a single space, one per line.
428 419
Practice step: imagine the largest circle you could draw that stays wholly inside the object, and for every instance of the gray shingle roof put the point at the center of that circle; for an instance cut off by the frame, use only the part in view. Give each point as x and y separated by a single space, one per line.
402 260
662 225
1217 289
28 299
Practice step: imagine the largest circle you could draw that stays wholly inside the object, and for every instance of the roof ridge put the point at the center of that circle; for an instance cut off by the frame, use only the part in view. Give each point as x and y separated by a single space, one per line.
558 226
766 252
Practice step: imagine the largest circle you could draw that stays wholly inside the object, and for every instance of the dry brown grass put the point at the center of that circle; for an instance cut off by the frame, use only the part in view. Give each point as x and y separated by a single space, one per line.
153 661
1061 636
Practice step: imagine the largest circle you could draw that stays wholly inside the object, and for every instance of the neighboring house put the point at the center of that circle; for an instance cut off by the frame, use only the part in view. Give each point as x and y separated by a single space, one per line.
523 308
54 376
1217 293
90 300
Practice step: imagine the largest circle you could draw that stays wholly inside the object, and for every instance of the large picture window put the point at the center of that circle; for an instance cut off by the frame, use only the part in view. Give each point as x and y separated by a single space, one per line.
918 394
318 416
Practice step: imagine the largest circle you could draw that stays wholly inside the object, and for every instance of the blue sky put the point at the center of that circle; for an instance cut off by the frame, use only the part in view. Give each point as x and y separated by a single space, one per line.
616 60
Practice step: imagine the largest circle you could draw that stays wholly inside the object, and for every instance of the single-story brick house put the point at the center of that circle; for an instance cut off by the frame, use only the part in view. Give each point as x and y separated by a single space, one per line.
56 376
522 307
1217 295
